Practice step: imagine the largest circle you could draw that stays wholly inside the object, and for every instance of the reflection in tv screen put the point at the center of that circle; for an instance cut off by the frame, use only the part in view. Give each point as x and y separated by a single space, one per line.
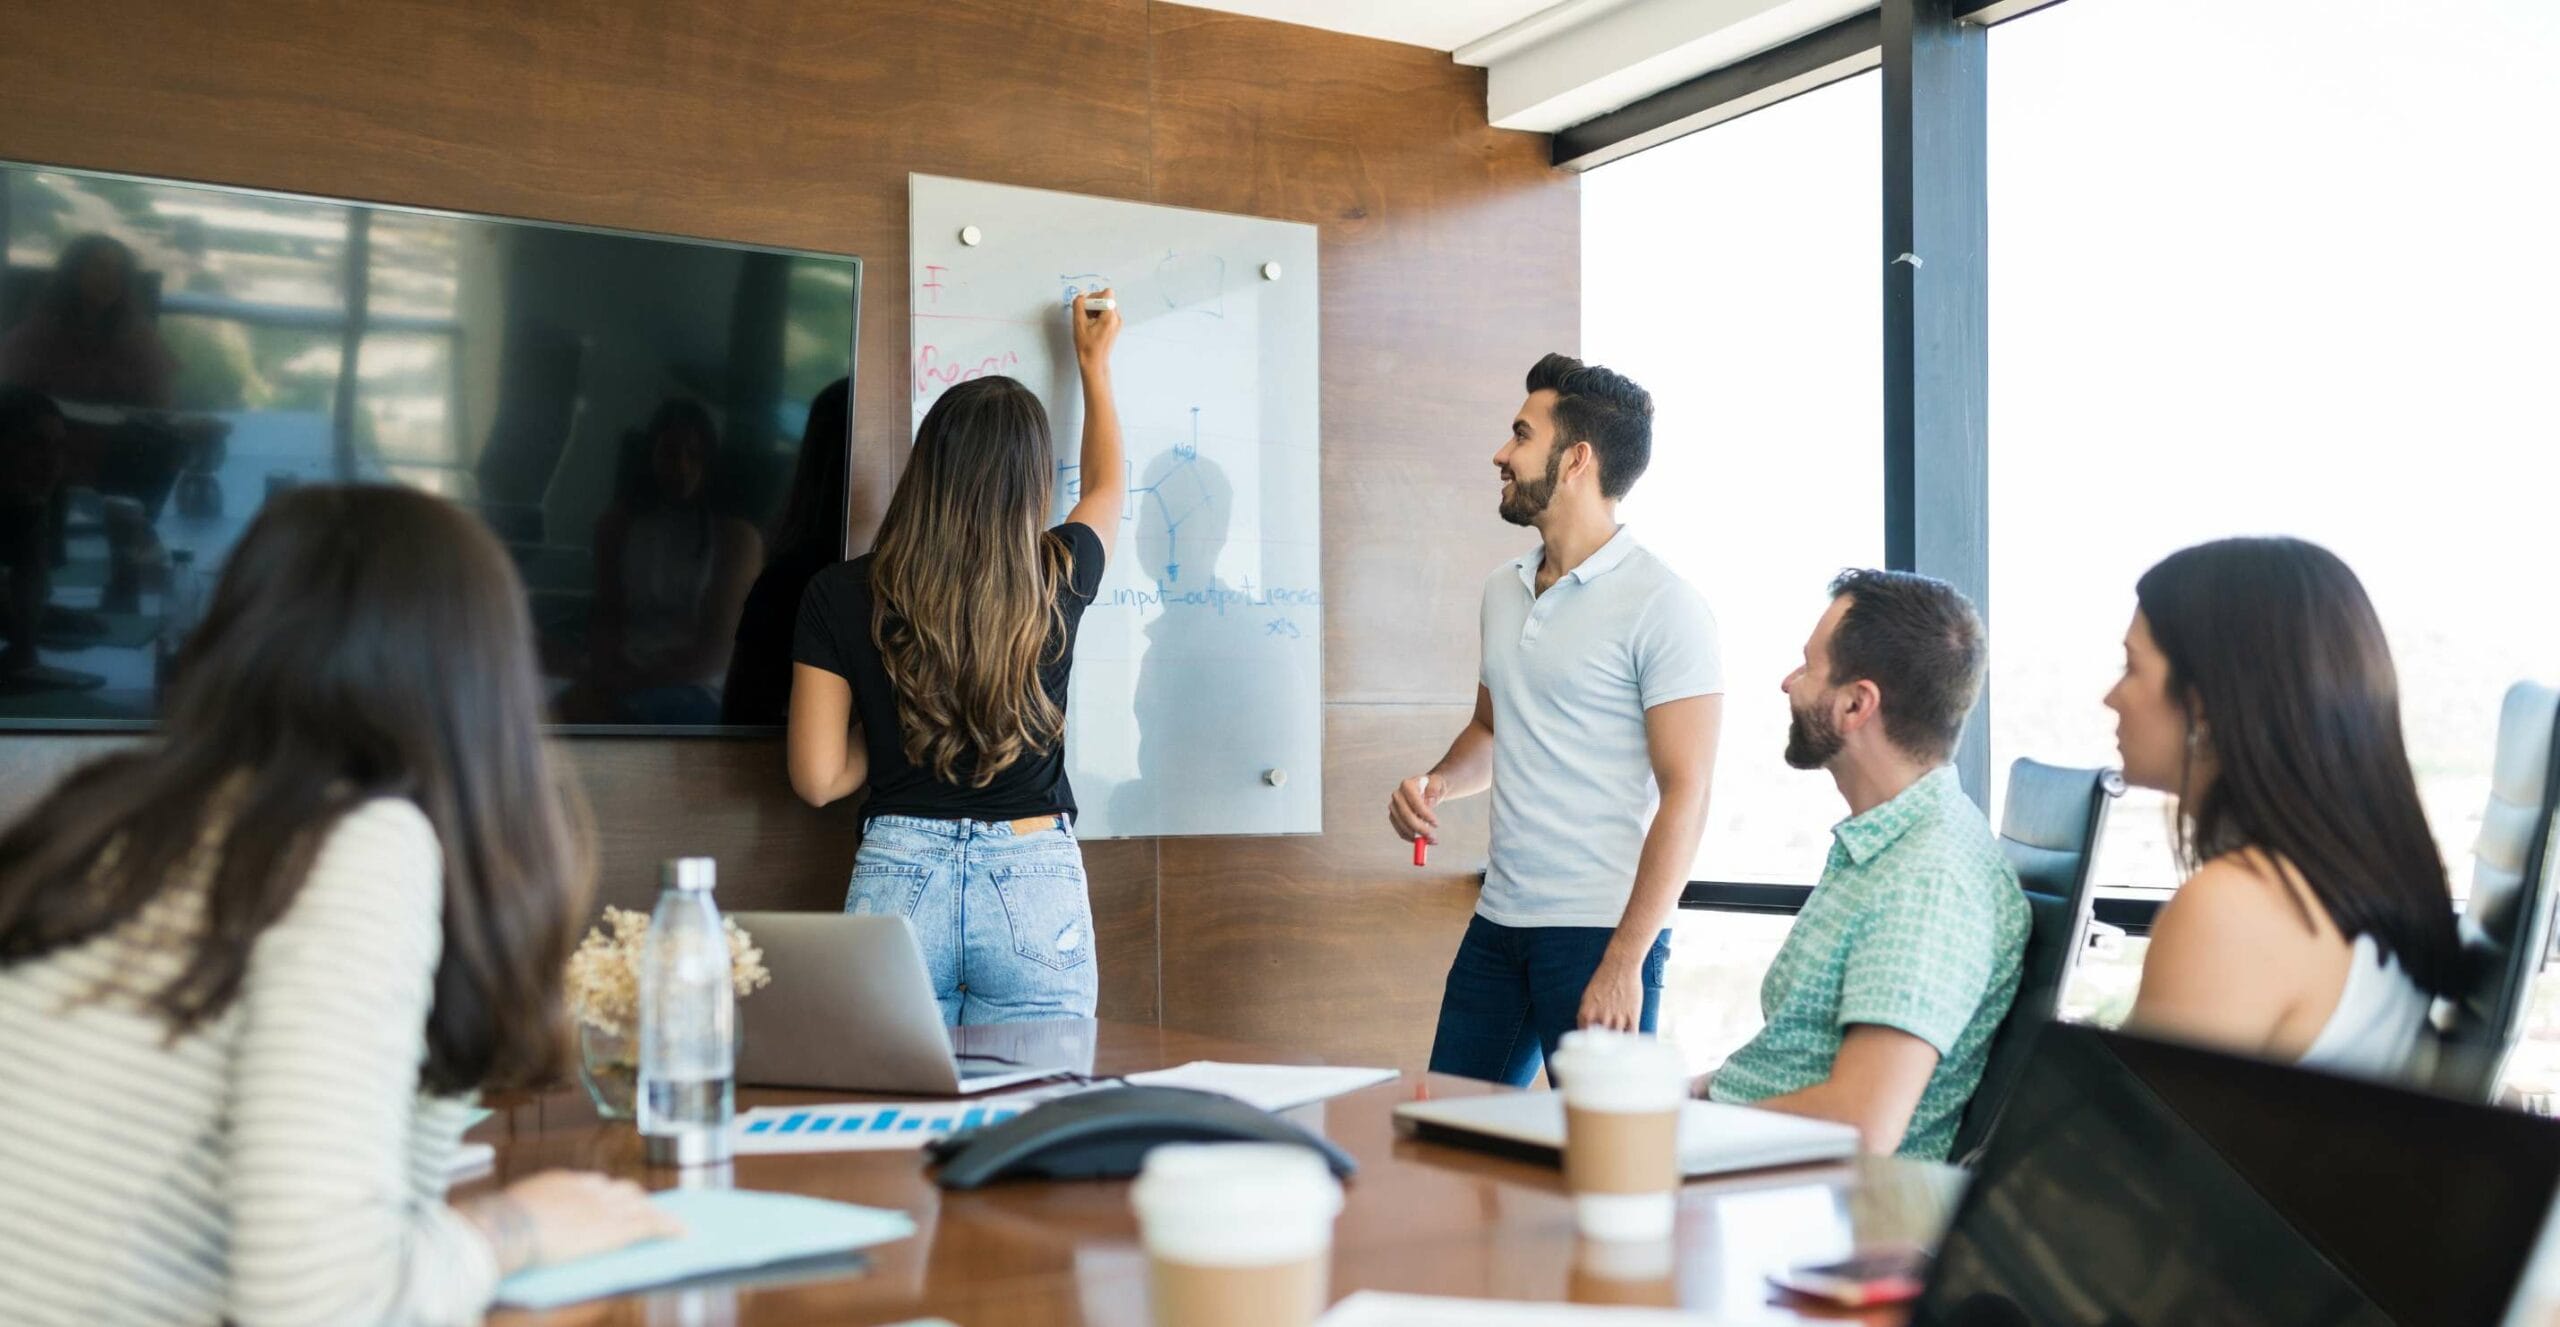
658 429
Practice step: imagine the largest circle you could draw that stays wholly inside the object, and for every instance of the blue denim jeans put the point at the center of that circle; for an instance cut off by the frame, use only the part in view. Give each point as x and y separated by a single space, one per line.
1514 991
1006 928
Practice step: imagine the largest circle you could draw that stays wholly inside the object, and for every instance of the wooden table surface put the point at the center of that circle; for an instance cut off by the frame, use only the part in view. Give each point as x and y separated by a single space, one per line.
1419 1218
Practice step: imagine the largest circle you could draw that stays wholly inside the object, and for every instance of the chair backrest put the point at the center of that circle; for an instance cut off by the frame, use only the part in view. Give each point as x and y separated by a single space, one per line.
2049 827
2506 929
538 401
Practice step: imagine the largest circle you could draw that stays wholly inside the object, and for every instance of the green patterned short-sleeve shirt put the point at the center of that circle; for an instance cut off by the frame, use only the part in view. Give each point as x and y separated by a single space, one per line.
1918 925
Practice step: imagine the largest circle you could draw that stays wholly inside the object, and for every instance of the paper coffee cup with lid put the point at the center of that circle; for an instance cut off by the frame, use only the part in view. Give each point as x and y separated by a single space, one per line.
1236 1234
1622 1096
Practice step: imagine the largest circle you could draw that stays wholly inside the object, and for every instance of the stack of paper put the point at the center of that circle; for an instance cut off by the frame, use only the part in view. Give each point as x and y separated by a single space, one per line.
1269 1086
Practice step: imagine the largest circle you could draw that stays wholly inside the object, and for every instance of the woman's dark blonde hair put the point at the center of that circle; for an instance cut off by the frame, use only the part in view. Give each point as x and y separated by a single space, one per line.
965 581
363 642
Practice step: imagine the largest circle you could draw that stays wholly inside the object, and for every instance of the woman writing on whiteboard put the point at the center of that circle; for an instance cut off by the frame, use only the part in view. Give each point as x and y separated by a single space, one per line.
934 669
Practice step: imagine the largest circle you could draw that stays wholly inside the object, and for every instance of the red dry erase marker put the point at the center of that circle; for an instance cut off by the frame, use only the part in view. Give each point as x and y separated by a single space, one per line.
1421 844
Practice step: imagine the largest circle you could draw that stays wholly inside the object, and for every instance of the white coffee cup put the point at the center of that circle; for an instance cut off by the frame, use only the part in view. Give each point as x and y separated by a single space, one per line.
1237 1234
1622 1095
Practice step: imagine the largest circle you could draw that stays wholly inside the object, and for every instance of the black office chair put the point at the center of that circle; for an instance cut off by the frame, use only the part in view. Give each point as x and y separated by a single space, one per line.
2049 828
2506 929
539 375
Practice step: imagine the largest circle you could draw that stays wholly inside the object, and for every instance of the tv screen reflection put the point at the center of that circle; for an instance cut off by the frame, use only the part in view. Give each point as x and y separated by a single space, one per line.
656 428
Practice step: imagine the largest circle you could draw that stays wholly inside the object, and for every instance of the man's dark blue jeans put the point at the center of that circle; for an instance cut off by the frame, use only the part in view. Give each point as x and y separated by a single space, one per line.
1514 991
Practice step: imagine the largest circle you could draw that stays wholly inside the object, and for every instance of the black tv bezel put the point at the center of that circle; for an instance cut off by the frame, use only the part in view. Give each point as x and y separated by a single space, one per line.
853 357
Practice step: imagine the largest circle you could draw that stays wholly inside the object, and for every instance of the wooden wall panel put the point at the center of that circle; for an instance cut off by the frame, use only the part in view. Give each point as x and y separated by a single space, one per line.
1452 261
30 766
1333 942
769 121
1450 257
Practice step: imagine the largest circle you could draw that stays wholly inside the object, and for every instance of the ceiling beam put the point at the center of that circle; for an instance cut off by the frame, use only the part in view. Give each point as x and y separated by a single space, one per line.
1584 58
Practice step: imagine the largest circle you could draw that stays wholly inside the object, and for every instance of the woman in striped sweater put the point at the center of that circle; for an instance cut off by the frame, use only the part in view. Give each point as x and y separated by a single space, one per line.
252 974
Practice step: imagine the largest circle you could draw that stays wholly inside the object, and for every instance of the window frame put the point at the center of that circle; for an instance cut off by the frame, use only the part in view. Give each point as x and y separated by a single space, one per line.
1936 297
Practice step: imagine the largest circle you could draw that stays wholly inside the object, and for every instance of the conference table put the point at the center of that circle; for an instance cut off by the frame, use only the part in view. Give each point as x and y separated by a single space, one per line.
1418 1218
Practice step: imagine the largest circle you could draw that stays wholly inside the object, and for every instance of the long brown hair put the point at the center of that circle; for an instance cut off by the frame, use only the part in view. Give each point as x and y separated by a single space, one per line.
363 642
2274 642
966 585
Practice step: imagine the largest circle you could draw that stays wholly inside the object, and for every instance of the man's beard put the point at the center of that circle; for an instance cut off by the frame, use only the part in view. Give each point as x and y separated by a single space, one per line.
1811 740
1528 499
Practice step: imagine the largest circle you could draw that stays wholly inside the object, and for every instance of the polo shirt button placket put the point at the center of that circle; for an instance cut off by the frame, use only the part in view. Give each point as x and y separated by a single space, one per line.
1537 618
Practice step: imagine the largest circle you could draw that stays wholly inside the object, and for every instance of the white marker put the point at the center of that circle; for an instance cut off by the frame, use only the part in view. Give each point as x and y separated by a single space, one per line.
1099 303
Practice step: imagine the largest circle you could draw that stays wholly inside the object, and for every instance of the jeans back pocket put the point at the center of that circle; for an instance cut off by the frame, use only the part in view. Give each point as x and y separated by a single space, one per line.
885 888
1046 909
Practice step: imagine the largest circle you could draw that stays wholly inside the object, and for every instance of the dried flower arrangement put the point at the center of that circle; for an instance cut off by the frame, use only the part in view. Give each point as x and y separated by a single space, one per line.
604 974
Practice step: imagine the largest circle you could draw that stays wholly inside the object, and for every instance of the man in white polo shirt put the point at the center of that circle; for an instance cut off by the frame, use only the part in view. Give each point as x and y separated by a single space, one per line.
1595 727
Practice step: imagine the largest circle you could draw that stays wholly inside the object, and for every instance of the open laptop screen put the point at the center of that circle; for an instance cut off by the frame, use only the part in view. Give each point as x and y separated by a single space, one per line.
2133 1182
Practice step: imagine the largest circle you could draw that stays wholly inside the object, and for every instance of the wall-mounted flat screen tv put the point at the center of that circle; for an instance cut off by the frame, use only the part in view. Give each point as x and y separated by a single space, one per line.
657 428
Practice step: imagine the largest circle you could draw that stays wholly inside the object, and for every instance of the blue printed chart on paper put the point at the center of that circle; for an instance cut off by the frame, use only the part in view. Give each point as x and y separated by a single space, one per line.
1197 705
866 1126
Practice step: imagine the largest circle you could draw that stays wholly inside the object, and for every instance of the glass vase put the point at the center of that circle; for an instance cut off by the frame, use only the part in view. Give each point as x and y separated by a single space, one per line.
609 1065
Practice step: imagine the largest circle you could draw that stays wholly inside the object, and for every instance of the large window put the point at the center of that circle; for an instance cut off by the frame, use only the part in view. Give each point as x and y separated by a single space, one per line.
2281 267
1733 273
2237 289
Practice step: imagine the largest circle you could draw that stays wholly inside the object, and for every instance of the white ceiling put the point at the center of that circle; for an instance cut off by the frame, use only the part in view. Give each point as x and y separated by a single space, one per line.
1550 64
1442 25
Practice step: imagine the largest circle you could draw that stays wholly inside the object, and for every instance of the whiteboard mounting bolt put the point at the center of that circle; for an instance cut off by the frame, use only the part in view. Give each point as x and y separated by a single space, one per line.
970 235
1275 777
1271 271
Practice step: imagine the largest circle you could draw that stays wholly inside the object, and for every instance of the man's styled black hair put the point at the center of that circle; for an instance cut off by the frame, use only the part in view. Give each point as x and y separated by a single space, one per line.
1604 408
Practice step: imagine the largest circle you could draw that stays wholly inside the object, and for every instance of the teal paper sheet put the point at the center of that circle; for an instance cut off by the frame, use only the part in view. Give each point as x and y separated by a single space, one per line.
725 1230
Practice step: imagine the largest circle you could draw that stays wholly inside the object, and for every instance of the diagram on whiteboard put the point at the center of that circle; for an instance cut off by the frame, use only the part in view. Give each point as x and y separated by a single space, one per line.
1197 700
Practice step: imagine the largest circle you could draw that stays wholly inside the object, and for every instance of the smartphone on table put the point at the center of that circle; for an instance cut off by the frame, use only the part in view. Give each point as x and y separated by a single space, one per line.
1879 1276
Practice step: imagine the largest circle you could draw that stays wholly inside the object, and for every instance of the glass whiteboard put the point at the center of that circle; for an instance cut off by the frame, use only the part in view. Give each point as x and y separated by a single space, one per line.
1197 705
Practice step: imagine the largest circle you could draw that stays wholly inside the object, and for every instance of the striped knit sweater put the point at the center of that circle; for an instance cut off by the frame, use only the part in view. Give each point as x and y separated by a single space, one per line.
277 1165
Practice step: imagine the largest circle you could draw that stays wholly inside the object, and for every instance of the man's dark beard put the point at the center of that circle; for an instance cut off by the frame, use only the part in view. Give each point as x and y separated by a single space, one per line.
1811 740
1528 498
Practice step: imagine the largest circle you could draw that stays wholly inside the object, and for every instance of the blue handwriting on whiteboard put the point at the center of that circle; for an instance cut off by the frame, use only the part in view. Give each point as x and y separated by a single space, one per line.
1218 598
1173 499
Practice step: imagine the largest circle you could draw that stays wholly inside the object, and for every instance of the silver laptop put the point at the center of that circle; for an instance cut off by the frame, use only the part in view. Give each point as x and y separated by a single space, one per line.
851 1009
1715 1139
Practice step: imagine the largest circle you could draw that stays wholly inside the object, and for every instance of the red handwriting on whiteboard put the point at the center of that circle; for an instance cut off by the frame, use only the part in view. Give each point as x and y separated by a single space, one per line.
932 283
933 374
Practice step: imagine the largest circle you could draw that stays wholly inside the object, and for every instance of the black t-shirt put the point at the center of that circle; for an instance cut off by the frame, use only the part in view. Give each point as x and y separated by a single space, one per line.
835 634
759 686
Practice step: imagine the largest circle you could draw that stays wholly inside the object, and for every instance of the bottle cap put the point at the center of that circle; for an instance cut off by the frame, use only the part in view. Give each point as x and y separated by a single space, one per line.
687 873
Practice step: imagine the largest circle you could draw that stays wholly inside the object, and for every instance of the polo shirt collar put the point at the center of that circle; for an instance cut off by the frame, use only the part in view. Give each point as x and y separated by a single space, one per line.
1866 836
1602 561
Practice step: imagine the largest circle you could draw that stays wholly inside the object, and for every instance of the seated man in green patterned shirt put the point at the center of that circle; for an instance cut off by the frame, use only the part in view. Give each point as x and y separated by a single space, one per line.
1882 1003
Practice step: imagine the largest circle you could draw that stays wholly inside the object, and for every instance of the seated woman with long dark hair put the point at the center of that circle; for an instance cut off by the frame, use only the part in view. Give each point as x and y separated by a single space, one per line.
252 972
2315 926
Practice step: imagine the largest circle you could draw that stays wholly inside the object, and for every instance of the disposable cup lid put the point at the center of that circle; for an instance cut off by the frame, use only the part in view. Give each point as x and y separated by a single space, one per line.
1247 1181
1619 1070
